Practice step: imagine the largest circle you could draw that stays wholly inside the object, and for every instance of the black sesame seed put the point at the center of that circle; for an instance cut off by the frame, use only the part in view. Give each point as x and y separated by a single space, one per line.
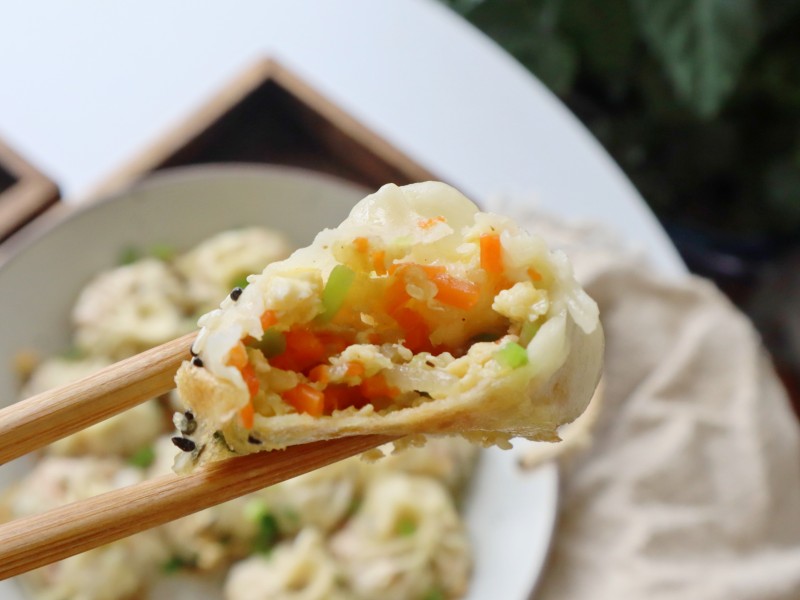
189 415
254 440
184 444
235 293
197 361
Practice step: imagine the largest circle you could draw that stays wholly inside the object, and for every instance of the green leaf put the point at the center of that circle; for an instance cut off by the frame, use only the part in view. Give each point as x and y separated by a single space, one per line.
609 50
702 45
782 183
528 30
779 13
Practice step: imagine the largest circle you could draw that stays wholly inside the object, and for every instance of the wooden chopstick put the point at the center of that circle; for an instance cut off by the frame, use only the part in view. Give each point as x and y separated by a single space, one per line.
30 424
38 540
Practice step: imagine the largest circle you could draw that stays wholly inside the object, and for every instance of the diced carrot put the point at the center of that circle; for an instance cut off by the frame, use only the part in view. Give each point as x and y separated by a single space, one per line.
334 342
339 397
354 369
249 375
248 415
379 262
396 295
458 293
306 399
237 357
303 351
534 274
320 374
428 223
376 387
501 283
416 333
361 244
268 319
491 253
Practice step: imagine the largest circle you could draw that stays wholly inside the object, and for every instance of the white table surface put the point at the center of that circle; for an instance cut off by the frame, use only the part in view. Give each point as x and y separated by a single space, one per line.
87 84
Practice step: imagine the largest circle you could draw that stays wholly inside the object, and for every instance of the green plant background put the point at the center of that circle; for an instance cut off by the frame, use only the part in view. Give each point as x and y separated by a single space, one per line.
697 100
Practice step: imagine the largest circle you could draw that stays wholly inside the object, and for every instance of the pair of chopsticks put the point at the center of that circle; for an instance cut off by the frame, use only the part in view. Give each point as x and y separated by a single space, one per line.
25 426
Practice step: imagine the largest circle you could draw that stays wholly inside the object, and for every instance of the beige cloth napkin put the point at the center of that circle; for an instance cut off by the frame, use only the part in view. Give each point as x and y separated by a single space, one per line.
690 487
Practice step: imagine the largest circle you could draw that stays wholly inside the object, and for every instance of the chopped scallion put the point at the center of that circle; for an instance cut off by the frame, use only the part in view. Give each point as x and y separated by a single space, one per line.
255 509
339 282
268 534
434 594
272 343
406 526
529 330
129 255
177 563
512 355
239 281
143 457
163 252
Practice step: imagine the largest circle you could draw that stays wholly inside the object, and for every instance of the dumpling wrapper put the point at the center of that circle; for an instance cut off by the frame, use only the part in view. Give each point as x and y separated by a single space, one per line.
431 312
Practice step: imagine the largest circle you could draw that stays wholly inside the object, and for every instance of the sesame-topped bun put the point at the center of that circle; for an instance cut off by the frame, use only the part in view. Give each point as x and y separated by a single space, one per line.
417 315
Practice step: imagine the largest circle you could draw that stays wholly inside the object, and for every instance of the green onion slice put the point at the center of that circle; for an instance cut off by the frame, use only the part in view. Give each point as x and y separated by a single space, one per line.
512 355
335 292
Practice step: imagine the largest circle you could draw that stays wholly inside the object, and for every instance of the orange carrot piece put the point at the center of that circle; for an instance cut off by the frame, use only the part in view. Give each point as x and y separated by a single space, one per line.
334 343
237 357
396 295
376 387
339 397
248 415
458 293
379 262
306 399
303 351
320 374
354 369
361 244
268 319
249 375
416 333
534 274
491 253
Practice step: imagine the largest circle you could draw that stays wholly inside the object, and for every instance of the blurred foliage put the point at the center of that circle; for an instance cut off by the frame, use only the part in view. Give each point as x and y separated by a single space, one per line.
697 100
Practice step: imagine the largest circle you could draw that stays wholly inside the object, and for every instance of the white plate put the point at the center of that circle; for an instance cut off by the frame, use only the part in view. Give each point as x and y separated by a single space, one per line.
510 514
